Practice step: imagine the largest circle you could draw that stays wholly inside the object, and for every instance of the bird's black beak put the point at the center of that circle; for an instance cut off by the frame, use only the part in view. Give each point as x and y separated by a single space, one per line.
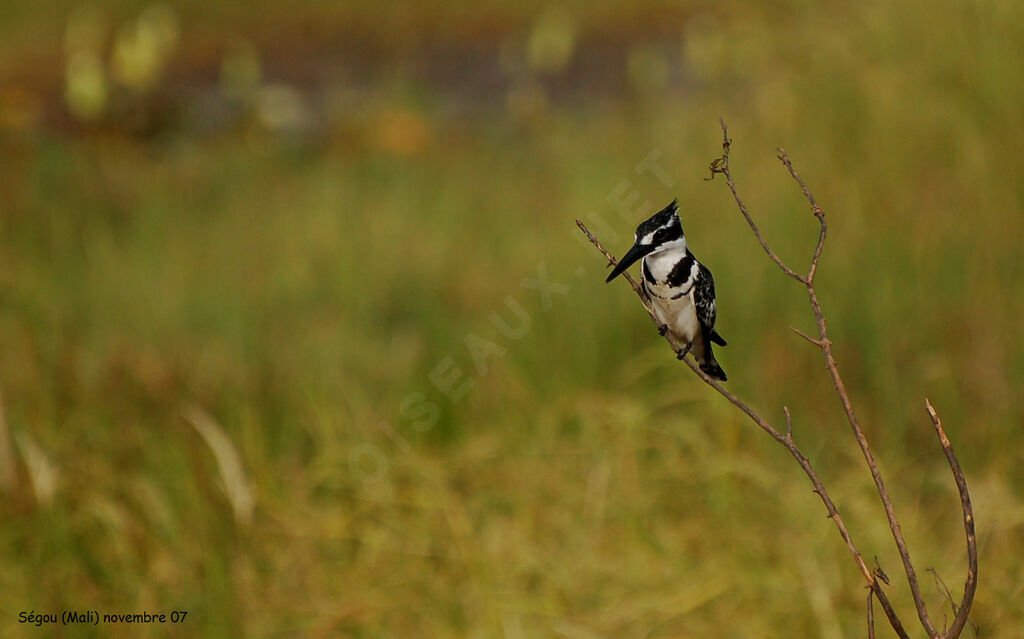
634 254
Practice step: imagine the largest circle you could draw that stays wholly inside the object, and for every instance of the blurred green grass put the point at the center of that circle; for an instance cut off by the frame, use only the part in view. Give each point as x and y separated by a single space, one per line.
299 290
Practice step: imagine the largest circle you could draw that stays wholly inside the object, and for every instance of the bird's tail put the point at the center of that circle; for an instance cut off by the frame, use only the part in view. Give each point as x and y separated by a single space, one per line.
706 359
710 365
713 370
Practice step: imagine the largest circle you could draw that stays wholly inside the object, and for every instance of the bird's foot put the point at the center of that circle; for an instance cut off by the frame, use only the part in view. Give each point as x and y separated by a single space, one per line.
681 353
663 329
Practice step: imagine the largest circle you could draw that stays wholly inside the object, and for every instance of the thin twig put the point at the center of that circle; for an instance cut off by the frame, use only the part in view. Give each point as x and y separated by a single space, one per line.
971 583
816 342
943 589
871 615
818 213
612 262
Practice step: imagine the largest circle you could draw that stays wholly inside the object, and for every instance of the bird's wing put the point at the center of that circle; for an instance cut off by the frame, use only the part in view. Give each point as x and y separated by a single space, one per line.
704 298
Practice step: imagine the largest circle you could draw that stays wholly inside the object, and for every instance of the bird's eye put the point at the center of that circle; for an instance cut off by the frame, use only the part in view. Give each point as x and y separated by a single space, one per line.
659 235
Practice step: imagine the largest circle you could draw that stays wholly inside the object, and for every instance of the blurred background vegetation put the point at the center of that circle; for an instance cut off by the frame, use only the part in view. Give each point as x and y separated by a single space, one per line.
238 240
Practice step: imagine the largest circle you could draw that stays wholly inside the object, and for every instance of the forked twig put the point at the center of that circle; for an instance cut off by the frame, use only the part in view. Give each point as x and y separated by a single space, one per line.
876 577
825 344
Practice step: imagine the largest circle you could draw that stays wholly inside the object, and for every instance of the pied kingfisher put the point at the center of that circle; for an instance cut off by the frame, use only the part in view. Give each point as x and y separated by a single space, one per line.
681 289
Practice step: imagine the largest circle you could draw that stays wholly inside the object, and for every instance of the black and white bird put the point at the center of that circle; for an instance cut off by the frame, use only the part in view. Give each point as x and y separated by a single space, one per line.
681 289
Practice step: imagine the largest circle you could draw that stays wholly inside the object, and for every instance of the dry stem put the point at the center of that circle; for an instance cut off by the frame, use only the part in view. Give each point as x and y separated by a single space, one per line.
875 577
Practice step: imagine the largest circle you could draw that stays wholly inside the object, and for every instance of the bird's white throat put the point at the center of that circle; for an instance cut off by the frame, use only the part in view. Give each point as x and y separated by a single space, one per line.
661 261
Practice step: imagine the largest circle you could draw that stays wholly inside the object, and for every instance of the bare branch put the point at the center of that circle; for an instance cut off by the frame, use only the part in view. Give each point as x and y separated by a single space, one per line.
611 260
971 583
851 416
818 213
871 615
816 342
721 165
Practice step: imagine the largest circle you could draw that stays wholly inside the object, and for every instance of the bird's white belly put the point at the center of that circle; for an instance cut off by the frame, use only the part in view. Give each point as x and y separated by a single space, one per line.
679 315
